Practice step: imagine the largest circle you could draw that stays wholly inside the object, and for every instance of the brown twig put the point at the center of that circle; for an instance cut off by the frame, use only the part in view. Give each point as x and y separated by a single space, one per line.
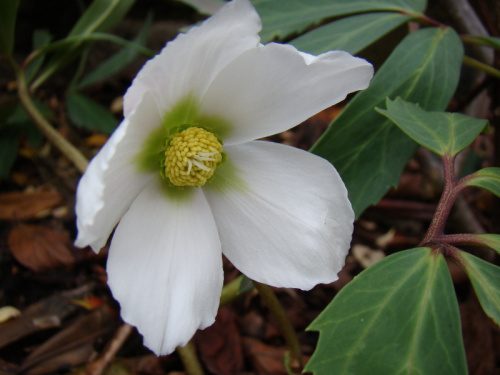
98 366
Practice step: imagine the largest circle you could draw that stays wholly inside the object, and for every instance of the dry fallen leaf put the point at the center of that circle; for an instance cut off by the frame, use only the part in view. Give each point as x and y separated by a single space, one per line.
40 248
96 140
367 256
220 345
71 346
267 360
22 206
8 312
37 317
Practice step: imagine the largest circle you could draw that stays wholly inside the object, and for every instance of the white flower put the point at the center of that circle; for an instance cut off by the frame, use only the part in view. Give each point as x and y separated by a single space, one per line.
279 214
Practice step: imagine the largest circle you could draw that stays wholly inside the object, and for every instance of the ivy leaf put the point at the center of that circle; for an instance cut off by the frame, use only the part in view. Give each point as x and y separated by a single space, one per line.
486 178
441 132
350 34
367 149
284 18
87 114
485 278
489 240
8 12
399 316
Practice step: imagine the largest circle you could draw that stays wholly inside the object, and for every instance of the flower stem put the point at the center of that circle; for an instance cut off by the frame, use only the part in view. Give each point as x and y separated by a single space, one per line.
234 289
189 359
284 324
54 137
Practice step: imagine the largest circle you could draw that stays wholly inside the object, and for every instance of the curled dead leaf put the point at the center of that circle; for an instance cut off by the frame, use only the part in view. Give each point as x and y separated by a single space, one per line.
367 256
8 312
40 248
22 205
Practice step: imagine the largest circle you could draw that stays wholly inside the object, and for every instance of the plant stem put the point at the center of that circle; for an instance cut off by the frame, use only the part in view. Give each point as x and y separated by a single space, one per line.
446 201
481 66
234 289
54 137
286 328
189 359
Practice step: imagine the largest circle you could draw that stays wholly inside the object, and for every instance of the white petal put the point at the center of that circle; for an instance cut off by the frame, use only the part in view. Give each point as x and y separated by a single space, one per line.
283 217
274 87
111 181
187 65
165 267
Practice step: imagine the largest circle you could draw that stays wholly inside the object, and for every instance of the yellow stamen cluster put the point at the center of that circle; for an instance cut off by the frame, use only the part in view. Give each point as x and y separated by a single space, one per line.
192 156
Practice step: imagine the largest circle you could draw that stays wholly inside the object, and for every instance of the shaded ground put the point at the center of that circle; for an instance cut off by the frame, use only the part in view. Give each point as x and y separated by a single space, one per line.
68 316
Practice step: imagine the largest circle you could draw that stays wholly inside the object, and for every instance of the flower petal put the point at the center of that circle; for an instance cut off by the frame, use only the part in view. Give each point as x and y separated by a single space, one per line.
111 181
283 216
188 64
165 267
274 87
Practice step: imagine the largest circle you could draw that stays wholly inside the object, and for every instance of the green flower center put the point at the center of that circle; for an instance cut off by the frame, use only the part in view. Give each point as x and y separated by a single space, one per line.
191 157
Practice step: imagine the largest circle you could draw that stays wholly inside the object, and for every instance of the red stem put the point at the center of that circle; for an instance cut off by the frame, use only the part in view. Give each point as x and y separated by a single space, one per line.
446 201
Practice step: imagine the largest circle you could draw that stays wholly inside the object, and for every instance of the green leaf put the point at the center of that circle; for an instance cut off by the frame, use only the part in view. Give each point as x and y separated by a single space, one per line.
485 278
488 240
14 122
367 149
399 316
117 62
9 140
100 16
441 132
41 38
88 114
8 12
486 178
351 34
283 18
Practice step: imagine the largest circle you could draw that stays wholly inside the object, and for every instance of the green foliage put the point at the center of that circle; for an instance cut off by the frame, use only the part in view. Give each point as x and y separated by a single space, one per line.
399 316
490 240
8 11
350 34
444 133
41 38
88 114
9 140
281 19
487 178
489 41
15 123
367 149
100 16
118 61
485 278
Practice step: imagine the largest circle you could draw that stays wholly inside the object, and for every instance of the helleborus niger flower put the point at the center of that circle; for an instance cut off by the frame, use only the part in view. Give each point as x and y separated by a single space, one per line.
186 182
